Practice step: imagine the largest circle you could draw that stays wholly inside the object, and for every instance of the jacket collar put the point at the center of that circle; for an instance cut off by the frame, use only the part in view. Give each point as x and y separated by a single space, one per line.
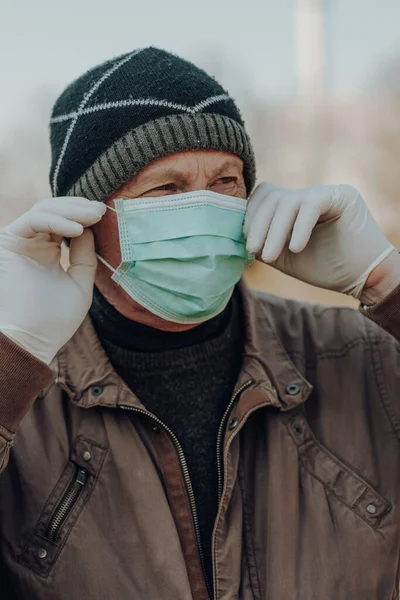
85 373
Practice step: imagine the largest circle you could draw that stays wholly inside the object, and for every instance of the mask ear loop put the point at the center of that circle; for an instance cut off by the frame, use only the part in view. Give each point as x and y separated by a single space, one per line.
105 263
98 255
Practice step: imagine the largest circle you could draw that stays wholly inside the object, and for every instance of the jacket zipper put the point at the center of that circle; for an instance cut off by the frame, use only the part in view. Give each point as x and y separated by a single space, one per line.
188 483
185 470
221 432
67 503
220 465
213 537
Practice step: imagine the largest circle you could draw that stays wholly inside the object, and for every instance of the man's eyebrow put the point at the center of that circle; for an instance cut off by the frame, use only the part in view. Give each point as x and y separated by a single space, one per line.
172 173
228 163
164 173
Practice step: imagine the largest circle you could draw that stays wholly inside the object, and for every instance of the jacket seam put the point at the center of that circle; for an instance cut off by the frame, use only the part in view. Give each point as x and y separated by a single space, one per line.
335 353
384 396
317 311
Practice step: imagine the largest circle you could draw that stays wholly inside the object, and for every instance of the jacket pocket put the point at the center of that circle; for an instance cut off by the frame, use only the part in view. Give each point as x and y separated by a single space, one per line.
63 507
67 503
343 482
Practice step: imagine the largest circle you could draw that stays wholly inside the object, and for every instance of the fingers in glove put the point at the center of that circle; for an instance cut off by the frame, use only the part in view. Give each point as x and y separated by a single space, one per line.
60 216
307 218
259 227
280 229
83 262
45 223
70 206
263 194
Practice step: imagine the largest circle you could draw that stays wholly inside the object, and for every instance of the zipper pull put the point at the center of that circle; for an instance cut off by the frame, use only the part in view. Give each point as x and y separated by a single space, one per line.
81 476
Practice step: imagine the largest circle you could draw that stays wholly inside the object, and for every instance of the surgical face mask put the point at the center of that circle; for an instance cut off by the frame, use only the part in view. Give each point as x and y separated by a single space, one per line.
181 254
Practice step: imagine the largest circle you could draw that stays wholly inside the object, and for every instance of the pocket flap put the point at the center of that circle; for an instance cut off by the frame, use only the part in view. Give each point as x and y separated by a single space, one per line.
345 484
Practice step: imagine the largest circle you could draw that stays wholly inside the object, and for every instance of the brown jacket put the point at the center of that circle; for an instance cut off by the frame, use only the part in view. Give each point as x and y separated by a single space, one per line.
96 503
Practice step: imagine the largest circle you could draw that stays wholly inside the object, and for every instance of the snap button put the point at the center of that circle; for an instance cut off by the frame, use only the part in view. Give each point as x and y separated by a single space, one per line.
292 389
42 553
233 423
87 456
298 429
275 390
364 306
97 390
371 508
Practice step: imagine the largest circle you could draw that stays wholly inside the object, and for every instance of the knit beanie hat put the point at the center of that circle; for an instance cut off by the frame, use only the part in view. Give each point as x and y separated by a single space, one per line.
131 110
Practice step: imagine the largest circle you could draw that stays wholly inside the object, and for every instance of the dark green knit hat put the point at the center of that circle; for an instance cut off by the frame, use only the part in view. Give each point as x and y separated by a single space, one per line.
120 116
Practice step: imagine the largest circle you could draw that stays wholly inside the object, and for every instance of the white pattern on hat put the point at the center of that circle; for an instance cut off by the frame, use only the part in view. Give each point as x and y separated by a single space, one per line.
79 112
141 102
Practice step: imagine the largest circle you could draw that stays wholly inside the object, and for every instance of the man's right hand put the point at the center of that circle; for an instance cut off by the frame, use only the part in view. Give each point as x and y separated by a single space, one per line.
41 304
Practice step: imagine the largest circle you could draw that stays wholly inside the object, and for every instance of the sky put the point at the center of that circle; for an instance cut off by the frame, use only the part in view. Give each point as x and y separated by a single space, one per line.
46 43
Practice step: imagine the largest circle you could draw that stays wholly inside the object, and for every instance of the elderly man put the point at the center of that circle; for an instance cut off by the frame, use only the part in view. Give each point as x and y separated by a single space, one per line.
188 439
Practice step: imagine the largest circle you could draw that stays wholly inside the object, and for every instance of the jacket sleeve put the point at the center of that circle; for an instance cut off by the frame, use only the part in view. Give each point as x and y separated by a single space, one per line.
385 352
22 378
386 313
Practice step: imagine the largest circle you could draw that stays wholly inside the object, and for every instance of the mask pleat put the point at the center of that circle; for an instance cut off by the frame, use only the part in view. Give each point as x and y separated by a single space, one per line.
182 255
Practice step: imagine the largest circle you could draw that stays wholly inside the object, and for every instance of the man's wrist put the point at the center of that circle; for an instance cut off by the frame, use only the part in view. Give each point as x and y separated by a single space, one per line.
382 280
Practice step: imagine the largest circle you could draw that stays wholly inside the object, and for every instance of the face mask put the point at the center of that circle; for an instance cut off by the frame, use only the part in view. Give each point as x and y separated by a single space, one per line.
181 254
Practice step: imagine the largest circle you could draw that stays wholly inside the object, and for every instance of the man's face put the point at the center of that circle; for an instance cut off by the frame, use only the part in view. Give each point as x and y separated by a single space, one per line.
219 172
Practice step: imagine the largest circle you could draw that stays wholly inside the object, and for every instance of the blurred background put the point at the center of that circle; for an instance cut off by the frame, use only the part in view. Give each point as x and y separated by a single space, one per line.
318 82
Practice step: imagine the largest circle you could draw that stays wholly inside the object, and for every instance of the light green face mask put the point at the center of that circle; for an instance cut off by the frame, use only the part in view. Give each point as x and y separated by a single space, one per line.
181 254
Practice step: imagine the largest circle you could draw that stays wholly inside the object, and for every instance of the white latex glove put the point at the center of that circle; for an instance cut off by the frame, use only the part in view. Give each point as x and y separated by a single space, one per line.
41 305
323 235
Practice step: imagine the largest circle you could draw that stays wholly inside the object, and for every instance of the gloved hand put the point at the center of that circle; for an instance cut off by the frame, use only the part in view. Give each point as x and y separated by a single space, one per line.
323 235
41 305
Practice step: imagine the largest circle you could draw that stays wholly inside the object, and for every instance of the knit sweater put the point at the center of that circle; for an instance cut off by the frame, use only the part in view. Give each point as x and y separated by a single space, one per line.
185 379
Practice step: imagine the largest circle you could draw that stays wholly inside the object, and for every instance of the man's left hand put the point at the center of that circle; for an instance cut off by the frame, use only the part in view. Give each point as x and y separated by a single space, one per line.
323 235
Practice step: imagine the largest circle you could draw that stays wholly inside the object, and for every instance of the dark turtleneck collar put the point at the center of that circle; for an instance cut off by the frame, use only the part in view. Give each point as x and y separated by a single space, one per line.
129 335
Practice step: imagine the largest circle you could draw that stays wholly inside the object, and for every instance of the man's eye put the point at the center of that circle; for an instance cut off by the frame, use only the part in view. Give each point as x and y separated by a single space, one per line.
167 187
225 180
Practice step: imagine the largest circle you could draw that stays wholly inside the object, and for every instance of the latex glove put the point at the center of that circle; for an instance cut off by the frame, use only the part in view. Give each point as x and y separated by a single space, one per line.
41 305
323 235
